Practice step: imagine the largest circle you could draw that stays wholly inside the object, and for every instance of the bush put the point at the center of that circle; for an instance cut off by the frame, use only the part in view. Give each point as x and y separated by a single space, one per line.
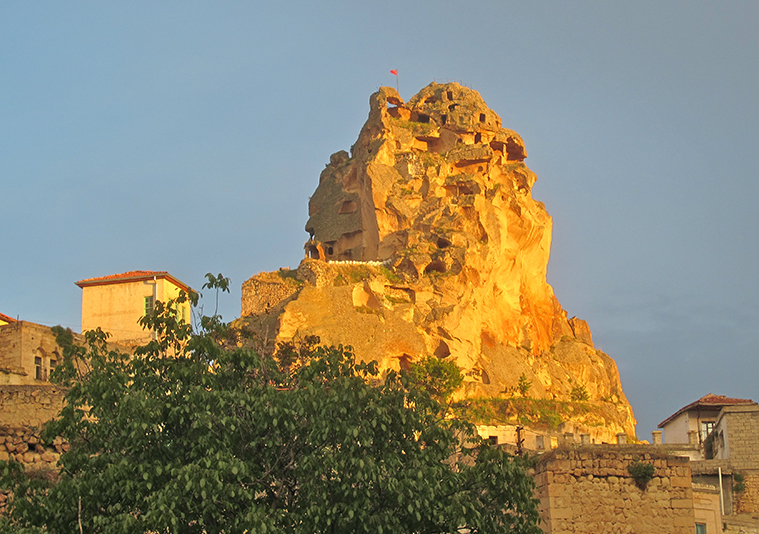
642 473
579 393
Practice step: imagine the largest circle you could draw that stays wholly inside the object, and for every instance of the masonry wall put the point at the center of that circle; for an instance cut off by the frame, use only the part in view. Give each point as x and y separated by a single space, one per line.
741 423
29 406
589 489
706 507
747 501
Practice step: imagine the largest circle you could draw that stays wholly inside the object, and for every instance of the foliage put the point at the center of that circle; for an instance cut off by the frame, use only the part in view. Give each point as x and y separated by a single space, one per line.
537 413
197 435
642 472
389 275
289 275
740 483
709 446
579 393
437 377
524 385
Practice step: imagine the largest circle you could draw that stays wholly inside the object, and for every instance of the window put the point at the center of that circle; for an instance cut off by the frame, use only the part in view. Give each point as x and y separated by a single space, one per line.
706 429
38 374
493 440
149 303
700 528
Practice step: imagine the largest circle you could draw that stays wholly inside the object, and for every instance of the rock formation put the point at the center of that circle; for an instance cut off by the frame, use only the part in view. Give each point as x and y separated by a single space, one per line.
425 240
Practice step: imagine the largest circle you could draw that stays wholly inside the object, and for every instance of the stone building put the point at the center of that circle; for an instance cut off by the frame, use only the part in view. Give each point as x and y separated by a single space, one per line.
28 353
115 303
699 416
589 488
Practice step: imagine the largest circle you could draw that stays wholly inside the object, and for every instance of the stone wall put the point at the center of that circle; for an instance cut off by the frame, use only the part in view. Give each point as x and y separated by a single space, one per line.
29 406
26 446
589 489
747 501
263 293
743 439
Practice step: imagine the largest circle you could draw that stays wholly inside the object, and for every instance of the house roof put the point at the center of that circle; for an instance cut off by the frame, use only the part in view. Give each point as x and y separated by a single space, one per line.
6 318
707 401
131 276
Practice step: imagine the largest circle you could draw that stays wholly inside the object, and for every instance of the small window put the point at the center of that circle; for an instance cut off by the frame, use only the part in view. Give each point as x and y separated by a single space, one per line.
539 443
38 374
493 440
149 304
482 117
700 528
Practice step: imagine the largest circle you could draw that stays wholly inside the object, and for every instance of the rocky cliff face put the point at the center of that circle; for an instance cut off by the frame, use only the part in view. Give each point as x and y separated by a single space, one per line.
425 239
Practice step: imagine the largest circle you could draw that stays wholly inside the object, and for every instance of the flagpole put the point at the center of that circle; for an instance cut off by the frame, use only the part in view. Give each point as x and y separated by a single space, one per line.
394 72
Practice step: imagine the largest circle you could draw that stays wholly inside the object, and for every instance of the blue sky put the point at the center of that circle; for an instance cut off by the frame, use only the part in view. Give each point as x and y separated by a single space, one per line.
188 136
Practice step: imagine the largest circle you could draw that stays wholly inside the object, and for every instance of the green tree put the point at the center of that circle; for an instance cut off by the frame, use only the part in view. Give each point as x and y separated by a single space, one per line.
197 435
438 377
524 385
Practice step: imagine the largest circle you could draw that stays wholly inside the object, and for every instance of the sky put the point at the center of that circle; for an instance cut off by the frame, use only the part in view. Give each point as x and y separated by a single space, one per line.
187 137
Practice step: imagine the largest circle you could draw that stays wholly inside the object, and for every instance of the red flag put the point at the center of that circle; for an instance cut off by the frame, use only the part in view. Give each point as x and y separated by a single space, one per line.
394 71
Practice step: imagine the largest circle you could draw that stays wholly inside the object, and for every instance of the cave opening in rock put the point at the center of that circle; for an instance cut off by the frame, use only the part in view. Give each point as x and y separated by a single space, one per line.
477 138
435 266
443 119
449 94
443 242
442 350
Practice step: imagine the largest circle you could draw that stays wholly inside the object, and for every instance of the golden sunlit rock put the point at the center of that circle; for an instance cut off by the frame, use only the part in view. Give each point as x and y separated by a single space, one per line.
425 240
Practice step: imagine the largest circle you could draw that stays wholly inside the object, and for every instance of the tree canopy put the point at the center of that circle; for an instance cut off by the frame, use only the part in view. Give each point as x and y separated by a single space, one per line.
197 434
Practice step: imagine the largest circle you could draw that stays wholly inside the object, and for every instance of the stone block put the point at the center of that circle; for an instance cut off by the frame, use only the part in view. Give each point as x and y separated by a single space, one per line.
680 482
681 503
684 521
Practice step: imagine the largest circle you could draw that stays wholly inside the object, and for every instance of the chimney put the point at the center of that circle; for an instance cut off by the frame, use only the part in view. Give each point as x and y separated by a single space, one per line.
621 438
656 437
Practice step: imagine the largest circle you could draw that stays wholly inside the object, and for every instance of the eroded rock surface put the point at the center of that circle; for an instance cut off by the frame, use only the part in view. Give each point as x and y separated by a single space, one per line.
425 239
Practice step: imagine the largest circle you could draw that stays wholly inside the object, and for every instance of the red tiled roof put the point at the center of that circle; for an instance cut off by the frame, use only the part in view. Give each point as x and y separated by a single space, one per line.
7 319
131 276
710 400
